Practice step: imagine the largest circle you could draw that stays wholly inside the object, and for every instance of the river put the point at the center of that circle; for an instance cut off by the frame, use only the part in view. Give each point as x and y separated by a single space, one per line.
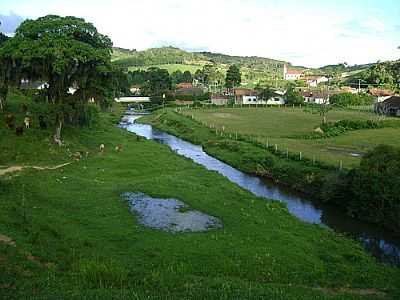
384 245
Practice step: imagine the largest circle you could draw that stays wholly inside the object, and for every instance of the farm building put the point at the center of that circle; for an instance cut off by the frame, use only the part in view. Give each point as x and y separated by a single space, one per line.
389 107
381 94
250 97
315 97
314 80
244 96
277 98
184 85
219 99
189 91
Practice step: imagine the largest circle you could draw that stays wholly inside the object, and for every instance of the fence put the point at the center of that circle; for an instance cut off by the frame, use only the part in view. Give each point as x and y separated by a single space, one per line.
268 145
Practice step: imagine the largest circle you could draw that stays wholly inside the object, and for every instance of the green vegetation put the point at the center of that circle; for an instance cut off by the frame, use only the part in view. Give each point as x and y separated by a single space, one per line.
73 237
383 75
233 77
349 99
171 68
293 97
371 190
286 127
63 53
304 174
254 69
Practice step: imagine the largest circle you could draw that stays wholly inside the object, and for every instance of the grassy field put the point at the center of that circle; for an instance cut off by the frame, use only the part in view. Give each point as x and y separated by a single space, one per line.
73 237
283 126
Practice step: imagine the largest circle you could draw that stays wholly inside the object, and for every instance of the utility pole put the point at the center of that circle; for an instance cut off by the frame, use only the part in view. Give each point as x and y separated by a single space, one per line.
359 85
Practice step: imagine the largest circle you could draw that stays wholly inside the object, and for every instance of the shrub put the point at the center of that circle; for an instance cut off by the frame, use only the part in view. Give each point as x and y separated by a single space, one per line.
347 99
374 187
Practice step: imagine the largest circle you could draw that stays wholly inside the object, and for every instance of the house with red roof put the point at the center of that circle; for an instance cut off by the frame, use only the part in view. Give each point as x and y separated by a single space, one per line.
292 74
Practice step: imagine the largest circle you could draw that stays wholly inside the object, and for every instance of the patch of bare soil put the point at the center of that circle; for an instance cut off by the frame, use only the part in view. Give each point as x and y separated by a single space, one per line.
6 240
13 169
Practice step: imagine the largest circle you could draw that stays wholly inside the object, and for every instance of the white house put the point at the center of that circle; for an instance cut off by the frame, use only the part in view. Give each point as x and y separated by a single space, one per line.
313 81
276 99
292 74
315 97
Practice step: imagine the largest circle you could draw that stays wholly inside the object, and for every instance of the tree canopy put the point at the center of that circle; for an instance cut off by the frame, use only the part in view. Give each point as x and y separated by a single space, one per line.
293 97
233 77
375 187
3 38
64 52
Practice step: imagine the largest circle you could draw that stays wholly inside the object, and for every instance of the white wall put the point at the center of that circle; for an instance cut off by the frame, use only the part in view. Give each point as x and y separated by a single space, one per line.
293 76
252 100
276 101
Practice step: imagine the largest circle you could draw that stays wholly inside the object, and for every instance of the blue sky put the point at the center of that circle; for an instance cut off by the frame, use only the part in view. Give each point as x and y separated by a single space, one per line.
309 32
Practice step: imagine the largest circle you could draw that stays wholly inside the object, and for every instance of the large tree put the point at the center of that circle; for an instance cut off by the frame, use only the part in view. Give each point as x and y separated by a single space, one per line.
374 187
158 82
3 38
64 52
264 92
187 77
233 77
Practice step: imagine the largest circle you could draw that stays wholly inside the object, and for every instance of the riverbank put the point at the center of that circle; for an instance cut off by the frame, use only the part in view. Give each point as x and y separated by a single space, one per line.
317 180
67 233
250 157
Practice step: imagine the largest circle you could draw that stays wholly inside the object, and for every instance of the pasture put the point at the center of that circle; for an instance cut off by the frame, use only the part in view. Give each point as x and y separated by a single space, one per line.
286 126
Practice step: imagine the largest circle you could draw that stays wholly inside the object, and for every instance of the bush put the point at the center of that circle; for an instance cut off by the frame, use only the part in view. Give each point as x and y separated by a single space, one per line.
347 99
342 126
374 187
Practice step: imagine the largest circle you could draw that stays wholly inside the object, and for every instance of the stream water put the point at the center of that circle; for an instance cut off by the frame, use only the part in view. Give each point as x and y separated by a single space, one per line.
384 245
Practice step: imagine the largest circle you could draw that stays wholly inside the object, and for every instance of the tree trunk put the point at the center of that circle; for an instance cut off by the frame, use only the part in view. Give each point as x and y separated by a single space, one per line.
3 98
57 135
2 104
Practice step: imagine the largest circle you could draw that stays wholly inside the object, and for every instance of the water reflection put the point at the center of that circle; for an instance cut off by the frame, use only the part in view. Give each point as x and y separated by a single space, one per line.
383 245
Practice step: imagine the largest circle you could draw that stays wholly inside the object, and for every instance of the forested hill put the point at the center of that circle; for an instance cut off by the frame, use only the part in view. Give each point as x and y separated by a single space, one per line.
171 55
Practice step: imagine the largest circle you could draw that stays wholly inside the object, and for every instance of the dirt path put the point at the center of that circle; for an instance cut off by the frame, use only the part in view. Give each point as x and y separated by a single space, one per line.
20 168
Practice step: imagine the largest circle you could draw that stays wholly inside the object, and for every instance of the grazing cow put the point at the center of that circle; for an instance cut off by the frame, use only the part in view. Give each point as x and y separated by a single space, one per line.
19 130
27 122
10 121
118 148
102 148
57 140
77 156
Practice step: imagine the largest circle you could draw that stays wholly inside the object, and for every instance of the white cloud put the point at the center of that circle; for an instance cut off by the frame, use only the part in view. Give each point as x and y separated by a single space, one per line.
304 35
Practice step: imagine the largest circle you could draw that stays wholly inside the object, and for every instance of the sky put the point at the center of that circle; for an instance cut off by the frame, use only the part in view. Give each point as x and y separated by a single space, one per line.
309 33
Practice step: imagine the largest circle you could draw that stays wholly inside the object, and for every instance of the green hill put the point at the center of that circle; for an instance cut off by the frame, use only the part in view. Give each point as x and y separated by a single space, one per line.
172 55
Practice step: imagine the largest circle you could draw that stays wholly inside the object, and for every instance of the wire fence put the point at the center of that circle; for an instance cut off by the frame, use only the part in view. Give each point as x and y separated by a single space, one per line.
264 143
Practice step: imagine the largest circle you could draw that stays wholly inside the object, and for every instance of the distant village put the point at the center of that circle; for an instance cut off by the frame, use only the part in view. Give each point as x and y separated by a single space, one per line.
314 90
